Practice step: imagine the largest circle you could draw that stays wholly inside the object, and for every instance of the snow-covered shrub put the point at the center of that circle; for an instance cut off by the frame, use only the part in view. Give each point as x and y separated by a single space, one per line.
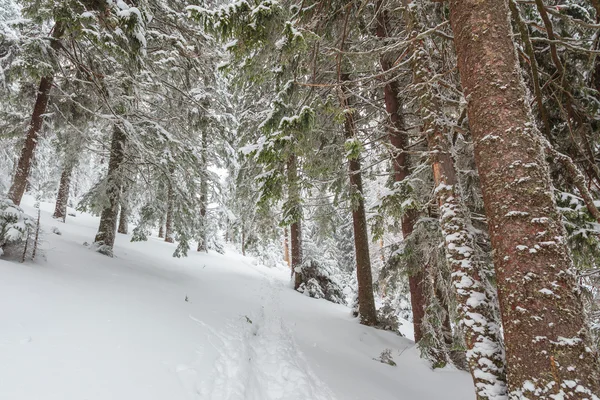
318 282
16 228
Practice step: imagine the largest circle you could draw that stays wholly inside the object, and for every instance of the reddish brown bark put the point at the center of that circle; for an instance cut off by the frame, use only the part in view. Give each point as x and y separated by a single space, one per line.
398 137
23 169
286 248
364 277
549 352
202 243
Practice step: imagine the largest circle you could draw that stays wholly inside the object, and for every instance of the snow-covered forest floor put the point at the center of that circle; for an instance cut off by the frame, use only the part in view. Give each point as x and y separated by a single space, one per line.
144 325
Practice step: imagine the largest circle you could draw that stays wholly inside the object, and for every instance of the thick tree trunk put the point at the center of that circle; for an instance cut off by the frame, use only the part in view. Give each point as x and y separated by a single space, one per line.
105 238
169 217
62 199
366 301
296 226
398 137
23 169
549 352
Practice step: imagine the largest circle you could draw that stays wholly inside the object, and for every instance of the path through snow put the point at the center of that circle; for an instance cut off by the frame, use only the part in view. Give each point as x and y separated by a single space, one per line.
143 325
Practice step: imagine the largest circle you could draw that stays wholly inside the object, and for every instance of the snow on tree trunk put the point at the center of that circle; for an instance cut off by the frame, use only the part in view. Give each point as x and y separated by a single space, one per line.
62 198
105 238
398 137
20 180
202 245
296 226
548 349
366 300
476 301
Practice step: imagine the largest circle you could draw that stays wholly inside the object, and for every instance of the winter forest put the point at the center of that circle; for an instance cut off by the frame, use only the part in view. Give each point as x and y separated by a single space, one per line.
285 199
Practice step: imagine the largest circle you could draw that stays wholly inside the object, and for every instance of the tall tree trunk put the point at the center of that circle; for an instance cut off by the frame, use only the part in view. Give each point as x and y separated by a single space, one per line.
547 344
23 169
105 238
296 226
398 137
477 308
62 199
202 244
169 217
366 301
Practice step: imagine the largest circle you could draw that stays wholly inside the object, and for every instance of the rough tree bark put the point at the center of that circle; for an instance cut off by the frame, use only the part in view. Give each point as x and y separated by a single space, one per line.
366 301
296 226
476 301
23 169
398 137
105 238
286 248
548 350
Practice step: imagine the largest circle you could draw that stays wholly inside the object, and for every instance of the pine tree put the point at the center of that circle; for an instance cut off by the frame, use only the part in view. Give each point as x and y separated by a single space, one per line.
547 344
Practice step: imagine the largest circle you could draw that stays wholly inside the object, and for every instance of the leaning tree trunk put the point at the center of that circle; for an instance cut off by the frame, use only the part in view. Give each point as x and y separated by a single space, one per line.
105 238
548 349
296 226
23 169
398 137
366 301
62 199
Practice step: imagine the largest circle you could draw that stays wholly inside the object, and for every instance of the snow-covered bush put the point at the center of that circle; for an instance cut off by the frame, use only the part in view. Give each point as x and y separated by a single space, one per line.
16 228
318 282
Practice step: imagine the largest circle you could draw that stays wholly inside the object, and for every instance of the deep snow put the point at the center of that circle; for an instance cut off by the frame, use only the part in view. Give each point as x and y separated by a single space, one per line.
78 325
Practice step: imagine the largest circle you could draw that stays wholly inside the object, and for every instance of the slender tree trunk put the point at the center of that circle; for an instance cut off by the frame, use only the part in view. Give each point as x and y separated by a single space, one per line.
124 216
549 352
398 137
366 301
62 199
169 217
286 248
161 228
105 238
296 226
23 169
202 245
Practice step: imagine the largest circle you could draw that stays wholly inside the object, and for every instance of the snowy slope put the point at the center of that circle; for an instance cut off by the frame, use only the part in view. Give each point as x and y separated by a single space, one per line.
79 325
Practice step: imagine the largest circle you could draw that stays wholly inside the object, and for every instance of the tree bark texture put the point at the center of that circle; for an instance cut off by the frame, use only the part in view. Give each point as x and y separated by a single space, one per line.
123 217
398 137
364 277
548 349
105 238
476 301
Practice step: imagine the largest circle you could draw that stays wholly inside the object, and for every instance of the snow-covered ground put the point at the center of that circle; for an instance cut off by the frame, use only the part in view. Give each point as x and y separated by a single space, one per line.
78 325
